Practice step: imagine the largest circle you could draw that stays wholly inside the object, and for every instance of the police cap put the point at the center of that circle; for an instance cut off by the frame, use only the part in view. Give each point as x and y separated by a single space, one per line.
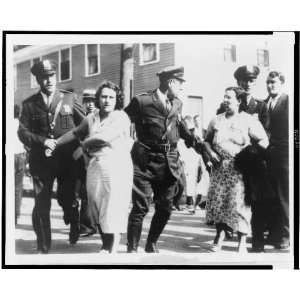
88 95
44 68
246 72
171 72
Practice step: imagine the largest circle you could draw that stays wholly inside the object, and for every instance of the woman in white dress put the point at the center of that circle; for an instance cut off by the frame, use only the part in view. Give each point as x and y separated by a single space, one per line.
106 139
227 134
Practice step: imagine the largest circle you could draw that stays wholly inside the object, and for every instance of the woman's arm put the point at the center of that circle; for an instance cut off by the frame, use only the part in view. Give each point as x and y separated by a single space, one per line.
80 132
66 138
257 132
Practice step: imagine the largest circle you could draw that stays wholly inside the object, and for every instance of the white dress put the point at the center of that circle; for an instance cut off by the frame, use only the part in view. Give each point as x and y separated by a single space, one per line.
110 169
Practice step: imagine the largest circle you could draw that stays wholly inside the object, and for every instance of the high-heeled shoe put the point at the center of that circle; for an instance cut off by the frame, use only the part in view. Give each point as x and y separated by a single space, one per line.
218 242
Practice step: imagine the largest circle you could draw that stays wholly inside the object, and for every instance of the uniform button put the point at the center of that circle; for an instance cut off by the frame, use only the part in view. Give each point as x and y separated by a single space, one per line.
49 114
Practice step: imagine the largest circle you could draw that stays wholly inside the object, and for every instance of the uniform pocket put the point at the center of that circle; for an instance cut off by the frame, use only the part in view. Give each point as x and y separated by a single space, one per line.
66 120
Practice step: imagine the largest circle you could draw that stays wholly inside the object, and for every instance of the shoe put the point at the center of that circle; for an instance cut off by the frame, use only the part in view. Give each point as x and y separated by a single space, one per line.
87 232
215 248
131 250
151 248
192 212
282 246
74 233
43 249
257 249
177 206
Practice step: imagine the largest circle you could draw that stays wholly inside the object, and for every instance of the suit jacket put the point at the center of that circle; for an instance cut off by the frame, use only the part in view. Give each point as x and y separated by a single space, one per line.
155 125
35 124
278 128
256 107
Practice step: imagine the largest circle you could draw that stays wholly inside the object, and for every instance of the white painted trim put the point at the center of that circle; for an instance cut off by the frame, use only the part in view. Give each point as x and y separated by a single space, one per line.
151 62
33 82
31 52
59 62
86 61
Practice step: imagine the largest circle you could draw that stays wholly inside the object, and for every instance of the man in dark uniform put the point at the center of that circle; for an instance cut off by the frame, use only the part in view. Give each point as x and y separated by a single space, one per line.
246 79
278 160
158 125
45 116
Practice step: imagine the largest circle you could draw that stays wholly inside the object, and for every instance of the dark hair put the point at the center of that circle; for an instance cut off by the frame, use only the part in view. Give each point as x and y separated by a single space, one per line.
275 74
16 111
114 87
196 116
239 92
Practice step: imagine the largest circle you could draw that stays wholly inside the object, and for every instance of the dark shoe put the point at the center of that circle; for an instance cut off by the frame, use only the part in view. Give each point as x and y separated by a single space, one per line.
43 249
151 248
131 250
87 232
282 246
74 233
257 249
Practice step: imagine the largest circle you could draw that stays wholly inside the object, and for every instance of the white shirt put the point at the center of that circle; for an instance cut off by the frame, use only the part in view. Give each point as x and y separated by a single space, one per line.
163 98
273 101
45 97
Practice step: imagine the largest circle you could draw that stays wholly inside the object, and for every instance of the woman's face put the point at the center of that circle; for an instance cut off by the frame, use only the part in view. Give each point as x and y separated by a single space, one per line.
107 100
230 101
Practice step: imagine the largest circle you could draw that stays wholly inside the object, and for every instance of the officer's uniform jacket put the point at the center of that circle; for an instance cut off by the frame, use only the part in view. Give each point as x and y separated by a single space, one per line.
36 123
256 107
154 125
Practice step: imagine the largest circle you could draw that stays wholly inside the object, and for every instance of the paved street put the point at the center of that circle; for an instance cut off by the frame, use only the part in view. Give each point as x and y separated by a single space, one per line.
186 240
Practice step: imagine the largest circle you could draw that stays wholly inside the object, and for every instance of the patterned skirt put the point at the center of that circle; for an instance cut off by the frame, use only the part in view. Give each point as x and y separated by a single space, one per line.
225 199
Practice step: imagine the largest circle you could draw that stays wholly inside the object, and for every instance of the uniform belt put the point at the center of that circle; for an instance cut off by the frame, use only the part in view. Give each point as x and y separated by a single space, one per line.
164 148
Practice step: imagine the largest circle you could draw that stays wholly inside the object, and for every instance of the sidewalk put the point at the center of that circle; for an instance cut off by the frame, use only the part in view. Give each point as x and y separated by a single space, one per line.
186 240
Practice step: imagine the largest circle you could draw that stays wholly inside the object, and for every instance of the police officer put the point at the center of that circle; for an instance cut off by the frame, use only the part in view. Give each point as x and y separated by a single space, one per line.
158 125
45 116
246 77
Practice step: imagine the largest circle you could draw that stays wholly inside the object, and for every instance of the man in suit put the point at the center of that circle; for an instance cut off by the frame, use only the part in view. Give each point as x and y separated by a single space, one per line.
158 125
45 116
246 77
278 159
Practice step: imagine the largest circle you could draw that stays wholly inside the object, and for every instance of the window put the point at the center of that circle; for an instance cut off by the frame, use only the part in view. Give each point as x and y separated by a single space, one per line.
92 59
263 57
33 82
230 53
149 53
65 70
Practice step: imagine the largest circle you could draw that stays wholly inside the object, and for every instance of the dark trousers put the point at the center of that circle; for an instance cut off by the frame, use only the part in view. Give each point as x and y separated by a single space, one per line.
20 160
278 166
157 180
87 222
64 172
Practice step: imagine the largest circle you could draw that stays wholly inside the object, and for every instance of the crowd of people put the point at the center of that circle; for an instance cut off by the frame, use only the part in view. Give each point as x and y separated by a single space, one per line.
237 169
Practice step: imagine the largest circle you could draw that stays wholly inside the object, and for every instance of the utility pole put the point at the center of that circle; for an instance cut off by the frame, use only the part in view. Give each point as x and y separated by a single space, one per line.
127 65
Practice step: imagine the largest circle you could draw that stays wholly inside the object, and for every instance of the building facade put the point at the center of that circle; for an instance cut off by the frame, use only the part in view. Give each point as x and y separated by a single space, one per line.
209 62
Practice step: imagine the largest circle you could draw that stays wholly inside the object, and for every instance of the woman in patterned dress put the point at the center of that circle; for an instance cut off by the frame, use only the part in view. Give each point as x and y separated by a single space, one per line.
106 139
227 134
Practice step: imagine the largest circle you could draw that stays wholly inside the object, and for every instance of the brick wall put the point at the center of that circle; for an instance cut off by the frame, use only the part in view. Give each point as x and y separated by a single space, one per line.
145 76
110 65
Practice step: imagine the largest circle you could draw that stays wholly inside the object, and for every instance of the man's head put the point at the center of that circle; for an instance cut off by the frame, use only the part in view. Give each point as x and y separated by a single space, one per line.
275 81
45 73
171 80
88 100
197 121
246 77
